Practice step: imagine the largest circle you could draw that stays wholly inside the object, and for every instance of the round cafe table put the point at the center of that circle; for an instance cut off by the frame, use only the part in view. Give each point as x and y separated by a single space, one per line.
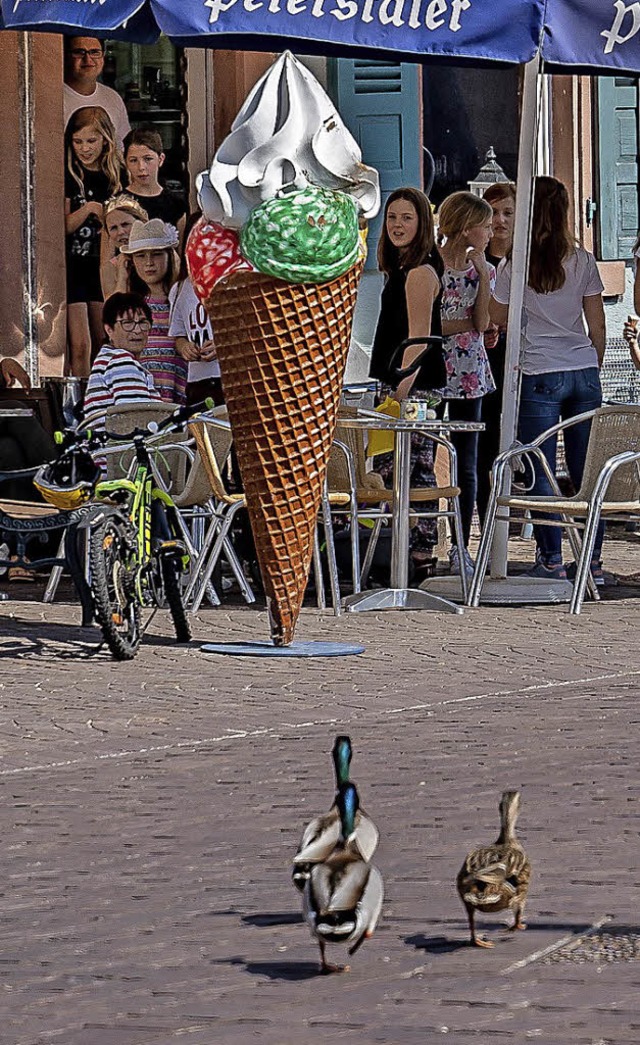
399 596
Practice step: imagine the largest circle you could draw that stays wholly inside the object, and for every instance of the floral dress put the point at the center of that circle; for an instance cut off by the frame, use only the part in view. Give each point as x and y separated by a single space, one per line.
467 363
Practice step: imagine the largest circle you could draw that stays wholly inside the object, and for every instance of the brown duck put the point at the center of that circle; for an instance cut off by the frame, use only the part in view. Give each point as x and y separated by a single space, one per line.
496 877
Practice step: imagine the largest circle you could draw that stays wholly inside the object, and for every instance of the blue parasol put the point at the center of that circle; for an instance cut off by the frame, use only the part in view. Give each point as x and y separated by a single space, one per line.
581 34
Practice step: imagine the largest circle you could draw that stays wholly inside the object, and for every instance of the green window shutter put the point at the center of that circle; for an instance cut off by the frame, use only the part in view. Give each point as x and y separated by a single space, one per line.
617 213
380 104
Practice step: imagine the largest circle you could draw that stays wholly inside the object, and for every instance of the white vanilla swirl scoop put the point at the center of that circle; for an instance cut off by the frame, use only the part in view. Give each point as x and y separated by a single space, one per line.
287 133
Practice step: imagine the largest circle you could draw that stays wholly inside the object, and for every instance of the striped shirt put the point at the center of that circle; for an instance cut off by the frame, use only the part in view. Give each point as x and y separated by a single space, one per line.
160 357
116 378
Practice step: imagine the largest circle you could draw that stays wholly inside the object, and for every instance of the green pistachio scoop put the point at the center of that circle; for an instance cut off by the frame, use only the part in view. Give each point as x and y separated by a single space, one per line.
305 235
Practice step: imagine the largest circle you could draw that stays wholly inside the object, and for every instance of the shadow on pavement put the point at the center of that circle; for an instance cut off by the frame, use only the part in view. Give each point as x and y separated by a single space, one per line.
435 944
275 918
16 639
284 970
275 970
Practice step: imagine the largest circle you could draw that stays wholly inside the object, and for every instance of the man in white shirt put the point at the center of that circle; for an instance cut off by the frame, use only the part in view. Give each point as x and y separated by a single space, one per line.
83 64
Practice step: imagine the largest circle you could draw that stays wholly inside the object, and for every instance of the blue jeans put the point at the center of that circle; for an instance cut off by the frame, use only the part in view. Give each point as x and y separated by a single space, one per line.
544 401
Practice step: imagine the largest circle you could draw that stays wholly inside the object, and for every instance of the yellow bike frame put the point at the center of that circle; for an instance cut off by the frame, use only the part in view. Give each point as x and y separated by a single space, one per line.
142 493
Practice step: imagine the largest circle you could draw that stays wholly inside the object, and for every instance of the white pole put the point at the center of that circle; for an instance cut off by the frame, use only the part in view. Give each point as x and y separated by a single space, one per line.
28 218
527 155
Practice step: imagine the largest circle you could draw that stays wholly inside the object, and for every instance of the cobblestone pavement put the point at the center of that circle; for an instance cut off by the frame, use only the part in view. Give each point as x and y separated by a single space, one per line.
150 811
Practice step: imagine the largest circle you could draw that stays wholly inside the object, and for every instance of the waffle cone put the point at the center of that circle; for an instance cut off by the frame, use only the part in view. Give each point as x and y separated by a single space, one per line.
282 349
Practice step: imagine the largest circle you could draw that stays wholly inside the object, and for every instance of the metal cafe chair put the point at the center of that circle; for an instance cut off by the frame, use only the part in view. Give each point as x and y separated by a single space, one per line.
372 500
25 523
610 489
212 437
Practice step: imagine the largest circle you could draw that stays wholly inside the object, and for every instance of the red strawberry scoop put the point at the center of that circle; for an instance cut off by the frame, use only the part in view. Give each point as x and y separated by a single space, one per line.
213 251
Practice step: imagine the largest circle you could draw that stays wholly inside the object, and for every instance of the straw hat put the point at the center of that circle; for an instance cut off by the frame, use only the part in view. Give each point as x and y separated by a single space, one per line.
150 235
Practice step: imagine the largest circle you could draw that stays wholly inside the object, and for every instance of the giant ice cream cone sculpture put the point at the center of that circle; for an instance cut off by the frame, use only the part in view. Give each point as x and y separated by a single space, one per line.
281 301
283 349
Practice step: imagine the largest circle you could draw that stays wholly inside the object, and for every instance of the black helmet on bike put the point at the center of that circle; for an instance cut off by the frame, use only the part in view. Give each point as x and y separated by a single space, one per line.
68 482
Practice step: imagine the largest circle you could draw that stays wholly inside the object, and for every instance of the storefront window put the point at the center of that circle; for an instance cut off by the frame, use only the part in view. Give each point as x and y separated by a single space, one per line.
465 111
150 81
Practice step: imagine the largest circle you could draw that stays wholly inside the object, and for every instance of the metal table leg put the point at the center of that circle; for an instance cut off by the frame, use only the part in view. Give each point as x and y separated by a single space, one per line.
399 595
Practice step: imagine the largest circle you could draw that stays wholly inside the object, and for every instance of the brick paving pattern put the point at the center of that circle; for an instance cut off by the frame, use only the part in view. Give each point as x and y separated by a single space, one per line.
150 810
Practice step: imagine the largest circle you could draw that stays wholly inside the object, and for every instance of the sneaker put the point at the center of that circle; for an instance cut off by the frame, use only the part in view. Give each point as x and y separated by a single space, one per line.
454 561
424 568
553 572
596 572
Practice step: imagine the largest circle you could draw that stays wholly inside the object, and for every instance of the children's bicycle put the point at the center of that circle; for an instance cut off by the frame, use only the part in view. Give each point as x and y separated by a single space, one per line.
136 553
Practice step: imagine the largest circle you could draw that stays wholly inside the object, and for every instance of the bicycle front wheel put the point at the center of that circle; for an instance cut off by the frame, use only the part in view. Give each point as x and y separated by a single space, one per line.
113 587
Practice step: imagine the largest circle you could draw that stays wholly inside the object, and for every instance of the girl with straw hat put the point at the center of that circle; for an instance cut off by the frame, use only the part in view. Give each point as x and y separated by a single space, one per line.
154 270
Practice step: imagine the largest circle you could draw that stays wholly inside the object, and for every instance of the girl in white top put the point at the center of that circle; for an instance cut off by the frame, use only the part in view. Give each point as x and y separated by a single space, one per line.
190 325
562 354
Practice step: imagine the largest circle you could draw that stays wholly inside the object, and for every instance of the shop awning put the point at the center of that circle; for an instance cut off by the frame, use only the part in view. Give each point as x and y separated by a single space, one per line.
583 34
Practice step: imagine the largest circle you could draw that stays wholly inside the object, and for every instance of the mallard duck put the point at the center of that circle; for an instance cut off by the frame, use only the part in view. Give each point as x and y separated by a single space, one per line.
343 895
320 836
496 877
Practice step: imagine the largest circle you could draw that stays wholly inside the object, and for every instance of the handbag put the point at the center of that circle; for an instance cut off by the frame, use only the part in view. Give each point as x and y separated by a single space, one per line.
430 363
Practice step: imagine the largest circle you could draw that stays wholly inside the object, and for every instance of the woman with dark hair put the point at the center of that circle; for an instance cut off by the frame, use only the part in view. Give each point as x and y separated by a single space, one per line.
409 307
501 196
561 357
408 257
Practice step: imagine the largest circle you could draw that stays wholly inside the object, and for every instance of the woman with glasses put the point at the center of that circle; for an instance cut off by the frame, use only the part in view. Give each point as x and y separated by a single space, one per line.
117 376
